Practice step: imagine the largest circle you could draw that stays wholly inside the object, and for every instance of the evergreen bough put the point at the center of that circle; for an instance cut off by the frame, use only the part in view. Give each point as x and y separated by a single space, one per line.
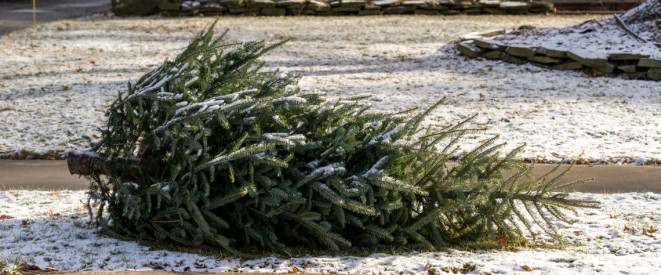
231 156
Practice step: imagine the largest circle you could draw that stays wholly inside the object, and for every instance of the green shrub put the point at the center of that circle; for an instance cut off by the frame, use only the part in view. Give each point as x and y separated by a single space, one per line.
232 156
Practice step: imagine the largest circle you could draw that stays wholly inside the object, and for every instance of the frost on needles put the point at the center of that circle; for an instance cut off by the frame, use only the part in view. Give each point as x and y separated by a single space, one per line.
211 151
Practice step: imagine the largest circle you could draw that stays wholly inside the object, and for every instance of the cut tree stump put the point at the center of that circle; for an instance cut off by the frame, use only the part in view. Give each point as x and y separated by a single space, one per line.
88 163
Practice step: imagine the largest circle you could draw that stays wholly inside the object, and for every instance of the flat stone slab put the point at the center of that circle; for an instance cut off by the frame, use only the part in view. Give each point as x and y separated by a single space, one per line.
626 56
551 52
260 3
493 55
426 12
568 66
599 64
383 3
286 3
512 59
488 44
520 51
413 2
545 59
511 5
469 49
274 11
654 74
493 32
627 68
649 63
490 3
354 3
231 3
317 5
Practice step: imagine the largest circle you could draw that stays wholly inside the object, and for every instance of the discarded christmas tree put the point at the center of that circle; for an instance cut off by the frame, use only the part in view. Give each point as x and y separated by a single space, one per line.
211 151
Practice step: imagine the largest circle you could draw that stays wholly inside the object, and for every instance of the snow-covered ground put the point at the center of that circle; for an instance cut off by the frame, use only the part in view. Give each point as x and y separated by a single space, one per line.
57 79
50 228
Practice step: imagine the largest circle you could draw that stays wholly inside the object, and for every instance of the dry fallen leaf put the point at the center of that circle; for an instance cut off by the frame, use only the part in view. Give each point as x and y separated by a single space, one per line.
27 267
4 217
527 268
295 270
503 240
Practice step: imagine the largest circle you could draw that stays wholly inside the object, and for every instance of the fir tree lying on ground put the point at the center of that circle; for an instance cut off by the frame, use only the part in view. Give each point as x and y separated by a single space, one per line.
211 151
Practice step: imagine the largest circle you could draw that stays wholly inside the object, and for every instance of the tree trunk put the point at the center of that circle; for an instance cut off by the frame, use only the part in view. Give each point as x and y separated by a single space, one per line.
87 163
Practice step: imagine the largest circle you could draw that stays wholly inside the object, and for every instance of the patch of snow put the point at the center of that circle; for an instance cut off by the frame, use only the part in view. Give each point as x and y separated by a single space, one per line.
53 95
52 228
594 39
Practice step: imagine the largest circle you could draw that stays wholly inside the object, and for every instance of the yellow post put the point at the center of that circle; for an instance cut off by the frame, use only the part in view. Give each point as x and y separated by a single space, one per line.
34 12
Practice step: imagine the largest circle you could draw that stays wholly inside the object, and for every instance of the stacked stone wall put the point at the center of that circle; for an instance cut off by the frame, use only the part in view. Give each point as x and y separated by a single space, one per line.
631 65
344 7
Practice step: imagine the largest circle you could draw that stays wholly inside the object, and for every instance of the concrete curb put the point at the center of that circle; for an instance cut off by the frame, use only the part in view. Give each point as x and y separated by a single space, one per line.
54 175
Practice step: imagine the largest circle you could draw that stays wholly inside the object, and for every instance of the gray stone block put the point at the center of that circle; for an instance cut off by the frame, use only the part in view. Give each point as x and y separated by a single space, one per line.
231 3
638 75
260 3
317 5
492 55
289 3
511 5
597 64
353 3
476 10
649 63
386 3
626 56
169 6
540 7
469 49
426 12
654 74
574 65
512 59
490 3
520 51
545 59
627 68
370 12
398 10
273 11
551 52
488 44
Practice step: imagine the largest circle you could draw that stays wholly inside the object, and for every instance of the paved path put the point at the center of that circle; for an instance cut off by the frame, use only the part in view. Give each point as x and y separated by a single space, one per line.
16 15
54 174
39 175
